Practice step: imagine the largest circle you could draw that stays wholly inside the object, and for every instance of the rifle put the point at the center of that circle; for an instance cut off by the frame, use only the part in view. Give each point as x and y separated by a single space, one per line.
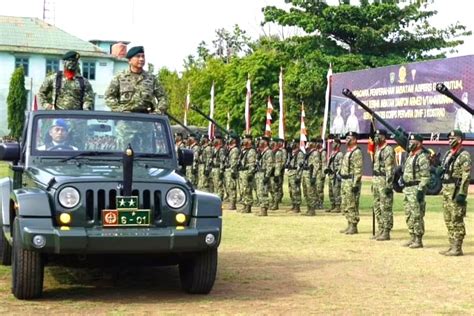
180 124
211 120
441 88
400 135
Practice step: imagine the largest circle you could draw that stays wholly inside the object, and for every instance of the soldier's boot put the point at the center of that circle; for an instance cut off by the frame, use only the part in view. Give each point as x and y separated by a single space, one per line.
343 231
456 250
263 212
293 207
297 209
377 234
385 235
418 243
310 212
232 207
337 209
352 229
274 206
444 252
409 242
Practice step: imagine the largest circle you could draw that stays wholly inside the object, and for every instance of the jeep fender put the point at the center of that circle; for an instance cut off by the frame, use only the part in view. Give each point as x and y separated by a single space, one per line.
206 205
32 202
5 189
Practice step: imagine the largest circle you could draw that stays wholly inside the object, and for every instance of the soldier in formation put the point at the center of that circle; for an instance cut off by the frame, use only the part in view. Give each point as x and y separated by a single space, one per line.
382 185
279 153
218 166
204 164
333 170
294 175
192 171
319 173
232 171
309 174
351 175
265 164
247 165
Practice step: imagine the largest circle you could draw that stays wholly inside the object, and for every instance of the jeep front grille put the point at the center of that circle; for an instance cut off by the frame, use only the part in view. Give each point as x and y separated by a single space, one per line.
98 200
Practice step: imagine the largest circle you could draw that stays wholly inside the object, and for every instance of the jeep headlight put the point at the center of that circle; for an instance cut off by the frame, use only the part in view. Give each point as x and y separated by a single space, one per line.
69 197
176 198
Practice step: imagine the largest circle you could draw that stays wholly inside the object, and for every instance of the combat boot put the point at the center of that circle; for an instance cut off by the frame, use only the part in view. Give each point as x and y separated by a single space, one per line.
297 209
444 252
310 212
336 210
274 207
343 231
385 235
232 207
409 242
418 243
293 207
456 249
263 212
352 229
377 233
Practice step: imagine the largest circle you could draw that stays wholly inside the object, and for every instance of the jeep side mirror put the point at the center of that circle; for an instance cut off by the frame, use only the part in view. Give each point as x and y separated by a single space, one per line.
10 151
185 157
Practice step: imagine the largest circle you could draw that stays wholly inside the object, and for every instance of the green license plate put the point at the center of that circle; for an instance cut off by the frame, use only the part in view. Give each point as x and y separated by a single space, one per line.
119 218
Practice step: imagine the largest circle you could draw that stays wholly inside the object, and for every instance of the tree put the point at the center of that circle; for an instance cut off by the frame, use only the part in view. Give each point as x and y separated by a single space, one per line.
16 102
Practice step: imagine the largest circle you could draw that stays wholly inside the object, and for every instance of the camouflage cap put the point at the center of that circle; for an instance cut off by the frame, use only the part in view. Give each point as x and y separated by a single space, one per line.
71 55
417 137
353 134
135 50
457 133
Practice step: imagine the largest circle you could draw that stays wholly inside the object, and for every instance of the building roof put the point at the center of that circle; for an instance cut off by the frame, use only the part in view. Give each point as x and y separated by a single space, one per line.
32 35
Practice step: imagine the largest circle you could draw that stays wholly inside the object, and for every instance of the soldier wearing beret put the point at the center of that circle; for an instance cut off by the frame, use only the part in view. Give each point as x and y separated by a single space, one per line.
382 187
416 176
265 165
247 163
351 175
456 168
309 174
217 164
192 171
134 89
279 153
294 175
231 173
332 170
205 164
68 89
321 164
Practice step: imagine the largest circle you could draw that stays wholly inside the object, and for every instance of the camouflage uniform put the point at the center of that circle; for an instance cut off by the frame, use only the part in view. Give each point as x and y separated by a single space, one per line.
69 94
218 161
416 176
334 167
205 166
382 188
277 179
231 175
351 174
294 179
247 163
192 171
135 92
320 178
457 169
309 180
265 165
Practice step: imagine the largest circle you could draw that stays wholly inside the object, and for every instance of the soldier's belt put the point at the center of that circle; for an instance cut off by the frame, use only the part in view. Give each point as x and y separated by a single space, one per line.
450 180
411 183
379 174
291 168
345 177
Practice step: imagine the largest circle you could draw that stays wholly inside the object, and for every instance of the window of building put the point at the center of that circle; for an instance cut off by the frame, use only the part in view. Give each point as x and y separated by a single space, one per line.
22 61
88 70
52 66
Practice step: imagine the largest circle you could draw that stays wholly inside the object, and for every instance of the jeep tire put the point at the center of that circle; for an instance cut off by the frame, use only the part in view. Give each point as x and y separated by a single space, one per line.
27 269
5 250
198 273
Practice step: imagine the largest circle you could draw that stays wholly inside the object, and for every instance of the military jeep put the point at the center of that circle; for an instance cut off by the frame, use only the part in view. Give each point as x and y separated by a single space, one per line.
102 188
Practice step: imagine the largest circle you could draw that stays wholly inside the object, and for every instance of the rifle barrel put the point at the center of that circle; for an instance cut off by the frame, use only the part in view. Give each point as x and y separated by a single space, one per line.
210 119
441 88
179 123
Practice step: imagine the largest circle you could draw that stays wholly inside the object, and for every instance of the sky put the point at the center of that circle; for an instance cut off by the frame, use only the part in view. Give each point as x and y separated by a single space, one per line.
171 30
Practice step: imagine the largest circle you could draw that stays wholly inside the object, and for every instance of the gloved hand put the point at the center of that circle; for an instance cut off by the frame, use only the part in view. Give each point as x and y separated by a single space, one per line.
312 180
461 199
266 180
355 189
388 191
420 196
298 181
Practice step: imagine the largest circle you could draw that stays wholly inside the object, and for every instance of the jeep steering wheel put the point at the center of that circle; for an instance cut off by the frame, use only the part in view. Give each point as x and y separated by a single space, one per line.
61 147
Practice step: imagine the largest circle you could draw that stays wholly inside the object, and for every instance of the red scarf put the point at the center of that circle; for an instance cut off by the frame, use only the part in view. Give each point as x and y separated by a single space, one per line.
69 74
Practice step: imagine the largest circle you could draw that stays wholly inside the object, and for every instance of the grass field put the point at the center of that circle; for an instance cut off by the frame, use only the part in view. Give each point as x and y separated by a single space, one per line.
283 264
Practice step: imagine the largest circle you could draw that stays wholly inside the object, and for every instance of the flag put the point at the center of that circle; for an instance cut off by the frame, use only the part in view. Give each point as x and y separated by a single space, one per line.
186 106
328 103
228 121
211 128
34 104
281 119
303 133
268 122
247 108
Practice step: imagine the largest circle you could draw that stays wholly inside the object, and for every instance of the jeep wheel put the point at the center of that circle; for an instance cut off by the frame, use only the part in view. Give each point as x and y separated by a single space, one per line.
27 269
5 250
199 273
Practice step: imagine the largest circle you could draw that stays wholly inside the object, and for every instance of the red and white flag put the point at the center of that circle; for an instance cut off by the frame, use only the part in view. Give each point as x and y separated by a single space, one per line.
268 122
34 104
281 119
186 106
228 120
211 128
303 133
247 108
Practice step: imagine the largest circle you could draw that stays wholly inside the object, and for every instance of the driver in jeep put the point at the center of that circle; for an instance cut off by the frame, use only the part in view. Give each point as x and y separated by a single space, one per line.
57 137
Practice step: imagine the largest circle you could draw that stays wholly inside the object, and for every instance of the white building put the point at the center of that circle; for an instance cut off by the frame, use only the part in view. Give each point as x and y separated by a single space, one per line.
38 47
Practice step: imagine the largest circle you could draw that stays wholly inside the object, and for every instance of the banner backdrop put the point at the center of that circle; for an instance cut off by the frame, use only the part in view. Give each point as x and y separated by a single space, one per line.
405 95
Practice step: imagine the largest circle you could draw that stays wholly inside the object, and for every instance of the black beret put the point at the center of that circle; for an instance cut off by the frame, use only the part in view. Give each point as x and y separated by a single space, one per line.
248 136
135 50
417 137
71 55
178 134
265 138
354 134
205 136
382 132
457 133
278 139
193 135
337 141
234 136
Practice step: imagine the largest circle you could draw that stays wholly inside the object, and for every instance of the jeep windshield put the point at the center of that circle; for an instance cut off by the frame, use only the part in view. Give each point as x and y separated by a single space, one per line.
77 136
